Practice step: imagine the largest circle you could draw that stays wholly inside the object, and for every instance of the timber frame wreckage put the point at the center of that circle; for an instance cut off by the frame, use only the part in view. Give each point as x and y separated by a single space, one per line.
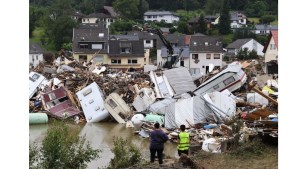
208 105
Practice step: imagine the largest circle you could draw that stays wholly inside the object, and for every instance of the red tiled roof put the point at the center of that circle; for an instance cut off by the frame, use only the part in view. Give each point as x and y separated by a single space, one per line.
275 37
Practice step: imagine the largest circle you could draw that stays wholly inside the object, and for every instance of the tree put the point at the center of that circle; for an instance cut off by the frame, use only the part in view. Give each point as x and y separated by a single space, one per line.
202 24
256 9
183 28
126 155
35 13
128 8
267 19
62 148
212 7
143 7
224 25
58 24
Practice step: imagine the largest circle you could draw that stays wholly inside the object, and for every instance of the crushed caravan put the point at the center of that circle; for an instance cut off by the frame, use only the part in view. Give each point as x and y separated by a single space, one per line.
36 80
59 103
231 78
117 107
91 100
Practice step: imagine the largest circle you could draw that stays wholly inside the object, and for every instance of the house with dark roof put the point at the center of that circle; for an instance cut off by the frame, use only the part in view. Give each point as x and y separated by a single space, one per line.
209 19
90 41
78 16
237 19
204 51
99 17
124 54
158 16
35 54
176 40
264 29
240 44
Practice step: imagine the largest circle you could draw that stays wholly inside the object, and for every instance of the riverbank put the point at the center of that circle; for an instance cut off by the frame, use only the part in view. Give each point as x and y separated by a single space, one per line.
256 154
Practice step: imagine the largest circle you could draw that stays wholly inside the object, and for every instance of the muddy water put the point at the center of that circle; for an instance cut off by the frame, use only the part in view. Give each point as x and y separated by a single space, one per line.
100 135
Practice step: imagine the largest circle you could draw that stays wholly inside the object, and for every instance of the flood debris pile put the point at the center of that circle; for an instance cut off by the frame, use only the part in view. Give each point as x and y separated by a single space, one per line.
209 105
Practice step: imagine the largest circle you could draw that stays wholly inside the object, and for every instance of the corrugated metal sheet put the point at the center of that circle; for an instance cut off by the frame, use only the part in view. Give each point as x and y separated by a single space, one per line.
180 80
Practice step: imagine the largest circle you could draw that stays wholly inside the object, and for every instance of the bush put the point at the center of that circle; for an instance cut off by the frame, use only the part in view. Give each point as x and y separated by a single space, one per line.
126 155
62 148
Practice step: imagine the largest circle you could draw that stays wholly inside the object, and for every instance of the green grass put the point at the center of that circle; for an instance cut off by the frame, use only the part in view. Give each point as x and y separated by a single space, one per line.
256 21
186 15
37 34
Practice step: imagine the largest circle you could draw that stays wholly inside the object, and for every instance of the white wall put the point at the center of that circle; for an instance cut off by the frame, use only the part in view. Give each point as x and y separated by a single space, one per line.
146 56
167 18
148 45
253 44
35 59
205 62
94 20
271 54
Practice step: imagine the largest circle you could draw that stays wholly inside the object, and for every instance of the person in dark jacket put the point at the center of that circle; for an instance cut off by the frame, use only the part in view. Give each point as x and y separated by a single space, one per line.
157 140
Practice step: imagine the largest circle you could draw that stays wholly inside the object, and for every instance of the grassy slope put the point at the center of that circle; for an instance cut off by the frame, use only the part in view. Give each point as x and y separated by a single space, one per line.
256 20
36 35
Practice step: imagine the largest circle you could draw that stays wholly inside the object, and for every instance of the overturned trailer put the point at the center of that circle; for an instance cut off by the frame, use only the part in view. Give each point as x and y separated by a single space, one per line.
35 81
91 100
231 78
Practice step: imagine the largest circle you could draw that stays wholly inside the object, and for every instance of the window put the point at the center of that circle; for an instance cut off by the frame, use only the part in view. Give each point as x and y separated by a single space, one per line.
111 103
83 57
125 50
148 41
272 46
116 61
148 16
83 20
208 56
37 57
194 56
34 77
83 46
154 16
97 46
132 61
217 56
98 58
145 51
229 80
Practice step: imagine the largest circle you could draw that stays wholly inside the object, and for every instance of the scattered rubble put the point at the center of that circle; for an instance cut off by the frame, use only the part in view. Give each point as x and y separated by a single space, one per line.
208 105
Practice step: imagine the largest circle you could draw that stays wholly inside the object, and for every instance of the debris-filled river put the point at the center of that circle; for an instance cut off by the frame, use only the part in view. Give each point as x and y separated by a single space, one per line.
100 135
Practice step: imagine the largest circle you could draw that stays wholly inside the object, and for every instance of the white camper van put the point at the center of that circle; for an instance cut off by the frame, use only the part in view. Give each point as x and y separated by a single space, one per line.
91 100
35 80
117 107
231 78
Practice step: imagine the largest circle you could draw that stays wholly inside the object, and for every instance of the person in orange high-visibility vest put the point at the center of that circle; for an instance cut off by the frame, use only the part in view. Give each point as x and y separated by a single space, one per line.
183 141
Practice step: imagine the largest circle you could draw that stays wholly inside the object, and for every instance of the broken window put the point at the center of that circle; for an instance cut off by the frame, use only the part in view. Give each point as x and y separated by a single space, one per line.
111 103
229 80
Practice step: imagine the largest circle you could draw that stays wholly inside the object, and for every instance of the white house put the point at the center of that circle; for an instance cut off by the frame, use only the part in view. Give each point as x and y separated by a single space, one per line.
240 44
167 16
204 51
237 20
98 17
264 29
271 49
35 54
